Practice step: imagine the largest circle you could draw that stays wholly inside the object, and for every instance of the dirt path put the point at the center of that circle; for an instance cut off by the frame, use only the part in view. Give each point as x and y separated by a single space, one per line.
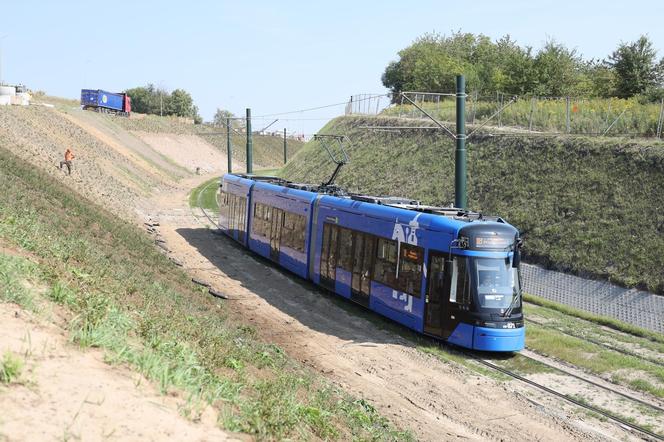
434 399
65 393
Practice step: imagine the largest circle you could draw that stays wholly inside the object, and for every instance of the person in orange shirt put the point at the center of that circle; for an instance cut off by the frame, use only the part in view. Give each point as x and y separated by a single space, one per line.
69 156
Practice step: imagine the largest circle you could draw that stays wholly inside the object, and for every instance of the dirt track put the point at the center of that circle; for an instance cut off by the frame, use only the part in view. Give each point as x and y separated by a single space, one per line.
434 399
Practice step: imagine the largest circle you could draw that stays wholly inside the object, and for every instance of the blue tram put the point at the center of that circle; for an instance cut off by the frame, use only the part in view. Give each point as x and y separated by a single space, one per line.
444 272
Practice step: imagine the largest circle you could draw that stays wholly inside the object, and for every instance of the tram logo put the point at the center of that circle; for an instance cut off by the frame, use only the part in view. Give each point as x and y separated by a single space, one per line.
405 234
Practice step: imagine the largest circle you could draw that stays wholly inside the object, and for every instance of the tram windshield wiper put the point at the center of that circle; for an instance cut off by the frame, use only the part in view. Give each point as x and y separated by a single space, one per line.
514 303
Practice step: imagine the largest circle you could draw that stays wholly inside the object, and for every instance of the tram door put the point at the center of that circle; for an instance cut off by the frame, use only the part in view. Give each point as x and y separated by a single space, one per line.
364 248
436 295
275 233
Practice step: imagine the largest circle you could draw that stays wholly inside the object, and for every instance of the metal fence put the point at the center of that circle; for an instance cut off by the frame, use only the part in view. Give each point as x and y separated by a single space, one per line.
544 115
633 306
367 104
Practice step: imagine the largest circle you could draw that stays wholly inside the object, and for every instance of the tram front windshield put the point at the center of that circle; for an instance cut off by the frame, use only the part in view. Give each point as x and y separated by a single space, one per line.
497 282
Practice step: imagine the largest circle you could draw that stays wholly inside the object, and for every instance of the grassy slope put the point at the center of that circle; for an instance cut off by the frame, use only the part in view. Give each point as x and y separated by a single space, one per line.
268 150
126 297
585 205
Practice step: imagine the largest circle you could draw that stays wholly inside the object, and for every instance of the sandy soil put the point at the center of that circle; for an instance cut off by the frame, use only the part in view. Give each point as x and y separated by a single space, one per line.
188 151
126 144
434 399
65 393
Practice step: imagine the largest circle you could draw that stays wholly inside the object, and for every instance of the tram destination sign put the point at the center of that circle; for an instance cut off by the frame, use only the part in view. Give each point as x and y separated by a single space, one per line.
492 242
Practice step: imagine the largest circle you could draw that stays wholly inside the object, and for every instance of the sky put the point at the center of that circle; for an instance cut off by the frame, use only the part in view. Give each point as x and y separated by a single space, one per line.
278 56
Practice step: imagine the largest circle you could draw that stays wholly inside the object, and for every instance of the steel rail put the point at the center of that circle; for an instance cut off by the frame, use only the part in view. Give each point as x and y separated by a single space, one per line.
598 343
589 407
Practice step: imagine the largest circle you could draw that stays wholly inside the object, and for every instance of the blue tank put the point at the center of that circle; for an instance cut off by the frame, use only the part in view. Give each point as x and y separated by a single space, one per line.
103 99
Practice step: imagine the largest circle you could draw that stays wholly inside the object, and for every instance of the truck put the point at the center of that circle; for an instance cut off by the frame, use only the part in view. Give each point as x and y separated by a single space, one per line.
106 102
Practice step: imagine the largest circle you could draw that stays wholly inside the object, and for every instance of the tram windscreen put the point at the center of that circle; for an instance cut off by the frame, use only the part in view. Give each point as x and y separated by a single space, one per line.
497 282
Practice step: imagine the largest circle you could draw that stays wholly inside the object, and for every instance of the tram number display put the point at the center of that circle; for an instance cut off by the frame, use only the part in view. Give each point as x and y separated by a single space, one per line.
491 242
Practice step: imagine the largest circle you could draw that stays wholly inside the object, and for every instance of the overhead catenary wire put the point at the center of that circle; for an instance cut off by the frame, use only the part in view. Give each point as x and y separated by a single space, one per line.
344 103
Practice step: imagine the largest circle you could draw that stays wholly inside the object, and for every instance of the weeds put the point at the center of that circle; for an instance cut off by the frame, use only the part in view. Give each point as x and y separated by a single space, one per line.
597 319
10 368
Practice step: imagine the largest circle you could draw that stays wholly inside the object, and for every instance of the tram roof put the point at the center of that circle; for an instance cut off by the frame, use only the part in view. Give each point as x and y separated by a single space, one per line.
386 201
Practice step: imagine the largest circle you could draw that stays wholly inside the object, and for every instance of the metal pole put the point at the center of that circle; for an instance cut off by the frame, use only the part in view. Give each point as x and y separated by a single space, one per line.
285 146
500 104
1 38
661 119
229 147
532 110
567 118
460 154
250 144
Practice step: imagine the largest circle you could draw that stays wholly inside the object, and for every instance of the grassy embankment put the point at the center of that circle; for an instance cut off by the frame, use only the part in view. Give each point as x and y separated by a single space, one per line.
587 116
125 297
268 150
585 205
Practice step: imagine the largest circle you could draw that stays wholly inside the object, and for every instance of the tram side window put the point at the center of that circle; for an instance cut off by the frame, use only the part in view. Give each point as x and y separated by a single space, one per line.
293 232
300 233
460 287
385 267
223 200
346 249
241 216
231 212
410 269
223 207
261 224
436 276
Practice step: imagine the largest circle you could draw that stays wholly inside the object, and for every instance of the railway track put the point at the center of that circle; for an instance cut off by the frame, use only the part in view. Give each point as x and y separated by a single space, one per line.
598 343
625 423
200 207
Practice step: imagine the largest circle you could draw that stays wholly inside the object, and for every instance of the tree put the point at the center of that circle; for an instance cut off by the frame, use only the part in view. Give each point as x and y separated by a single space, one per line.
181 104
558 71
514 72
431 64
602 79
149 99
220 117
636 68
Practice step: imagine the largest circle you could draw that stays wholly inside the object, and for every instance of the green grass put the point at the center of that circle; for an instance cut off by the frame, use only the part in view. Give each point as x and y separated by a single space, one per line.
127 298
575 199
11 367
523 365
205 195
597 319
594 358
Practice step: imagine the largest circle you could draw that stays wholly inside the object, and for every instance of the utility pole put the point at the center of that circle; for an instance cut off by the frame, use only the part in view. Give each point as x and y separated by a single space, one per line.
460 153
568 124
285 145
250 144
1 38
229 148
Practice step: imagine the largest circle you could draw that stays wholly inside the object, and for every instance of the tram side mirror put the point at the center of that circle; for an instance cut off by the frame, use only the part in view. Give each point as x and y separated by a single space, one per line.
516 260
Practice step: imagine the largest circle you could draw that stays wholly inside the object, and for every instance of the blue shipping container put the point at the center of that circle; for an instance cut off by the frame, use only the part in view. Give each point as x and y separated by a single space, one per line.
99 98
